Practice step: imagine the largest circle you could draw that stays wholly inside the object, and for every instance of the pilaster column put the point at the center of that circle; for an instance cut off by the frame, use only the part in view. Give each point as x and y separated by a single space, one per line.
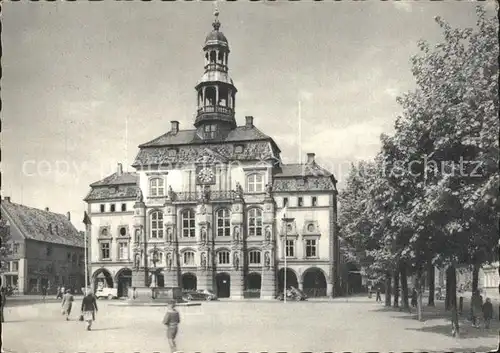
170 272
204 236
268 288
237 250
139 271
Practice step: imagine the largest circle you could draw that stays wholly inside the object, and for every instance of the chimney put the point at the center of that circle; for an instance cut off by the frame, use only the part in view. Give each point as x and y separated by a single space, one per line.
175 127
6 198
119 170
47 209
249 121
310 158
68 214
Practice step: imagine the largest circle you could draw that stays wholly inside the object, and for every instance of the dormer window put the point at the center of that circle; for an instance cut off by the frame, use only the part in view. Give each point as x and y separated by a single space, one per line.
50 228
157 187
238 149
172 153
210 131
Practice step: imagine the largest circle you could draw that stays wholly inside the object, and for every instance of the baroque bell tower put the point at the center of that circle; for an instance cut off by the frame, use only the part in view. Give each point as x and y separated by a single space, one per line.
215 91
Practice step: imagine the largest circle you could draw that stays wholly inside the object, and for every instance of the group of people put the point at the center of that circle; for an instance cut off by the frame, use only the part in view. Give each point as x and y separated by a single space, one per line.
88 308
478 309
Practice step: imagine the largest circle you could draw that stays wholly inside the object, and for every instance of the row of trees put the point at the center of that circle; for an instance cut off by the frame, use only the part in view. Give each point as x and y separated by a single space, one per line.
430 196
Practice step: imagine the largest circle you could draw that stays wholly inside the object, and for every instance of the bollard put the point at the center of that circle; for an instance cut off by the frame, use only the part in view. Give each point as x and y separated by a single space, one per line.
460 305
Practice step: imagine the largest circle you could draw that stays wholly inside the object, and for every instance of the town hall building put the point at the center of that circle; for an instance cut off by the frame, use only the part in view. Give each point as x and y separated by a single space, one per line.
213 206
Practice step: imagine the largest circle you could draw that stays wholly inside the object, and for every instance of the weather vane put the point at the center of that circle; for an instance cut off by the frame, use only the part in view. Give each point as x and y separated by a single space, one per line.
216 23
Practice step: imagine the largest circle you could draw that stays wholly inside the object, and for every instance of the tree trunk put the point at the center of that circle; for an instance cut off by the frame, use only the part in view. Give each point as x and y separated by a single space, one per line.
404 286
388 289
419 287
431 275
475 278
447 299
451 278
396 289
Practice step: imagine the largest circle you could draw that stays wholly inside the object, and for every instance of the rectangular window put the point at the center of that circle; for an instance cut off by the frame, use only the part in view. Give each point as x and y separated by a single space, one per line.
15 248
103 208
188 258
7 267
124 207
254 257
300 202
311 248
255 183
290 248
123 251
210 131
105 251
112 209
223 257
314 201
15 266
285 201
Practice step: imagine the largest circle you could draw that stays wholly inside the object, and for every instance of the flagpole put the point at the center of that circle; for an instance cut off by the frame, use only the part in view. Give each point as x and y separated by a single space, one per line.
284 254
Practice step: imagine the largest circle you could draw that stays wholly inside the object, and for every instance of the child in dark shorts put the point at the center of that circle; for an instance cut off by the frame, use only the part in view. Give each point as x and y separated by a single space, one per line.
172 320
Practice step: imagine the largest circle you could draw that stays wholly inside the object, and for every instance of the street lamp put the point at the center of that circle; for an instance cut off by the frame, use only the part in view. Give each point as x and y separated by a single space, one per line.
287 221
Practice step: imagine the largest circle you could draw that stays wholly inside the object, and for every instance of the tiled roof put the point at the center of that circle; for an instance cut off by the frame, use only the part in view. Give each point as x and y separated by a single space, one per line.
116 179
188 137
42 225
105 192
296 170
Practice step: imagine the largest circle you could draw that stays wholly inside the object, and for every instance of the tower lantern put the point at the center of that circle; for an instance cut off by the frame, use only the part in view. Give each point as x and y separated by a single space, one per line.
215 91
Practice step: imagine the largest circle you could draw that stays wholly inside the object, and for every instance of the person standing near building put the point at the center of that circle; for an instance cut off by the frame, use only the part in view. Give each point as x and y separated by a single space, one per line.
476 307
172 320
89 308
67 303
44 292
379 297
487 313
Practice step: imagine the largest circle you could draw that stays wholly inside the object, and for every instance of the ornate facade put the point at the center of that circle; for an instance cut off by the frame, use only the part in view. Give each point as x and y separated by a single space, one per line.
208 205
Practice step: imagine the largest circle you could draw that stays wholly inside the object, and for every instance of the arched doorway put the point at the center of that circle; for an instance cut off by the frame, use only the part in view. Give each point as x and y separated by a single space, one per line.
102 279
223 282
291 279
253 285
314 284
124 282
354 279
188 281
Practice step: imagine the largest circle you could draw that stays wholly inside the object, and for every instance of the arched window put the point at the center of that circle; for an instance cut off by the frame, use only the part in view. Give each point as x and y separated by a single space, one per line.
156 187
255 183
188 258
223 222
223 257
188 223
255 222
254 257
156 224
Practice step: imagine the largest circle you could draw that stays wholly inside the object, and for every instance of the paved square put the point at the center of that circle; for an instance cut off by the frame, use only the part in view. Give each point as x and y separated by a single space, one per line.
356 324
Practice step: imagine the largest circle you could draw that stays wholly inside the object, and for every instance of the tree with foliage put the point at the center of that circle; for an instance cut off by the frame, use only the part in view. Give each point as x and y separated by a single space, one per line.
5 250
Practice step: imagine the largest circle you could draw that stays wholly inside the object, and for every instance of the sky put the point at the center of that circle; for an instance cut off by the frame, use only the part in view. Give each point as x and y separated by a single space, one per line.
85 83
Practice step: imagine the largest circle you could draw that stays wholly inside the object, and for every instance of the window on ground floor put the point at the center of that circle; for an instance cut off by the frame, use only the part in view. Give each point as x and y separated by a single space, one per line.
188 258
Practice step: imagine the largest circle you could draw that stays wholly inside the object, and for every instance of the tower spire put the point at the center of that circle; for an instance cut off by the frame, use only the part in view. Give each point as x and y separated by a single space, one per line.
216 23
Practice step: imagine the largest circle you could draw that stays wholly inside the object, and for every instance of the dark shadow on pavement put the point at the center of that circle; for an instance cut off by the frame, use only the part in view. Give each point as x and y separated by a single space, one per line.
107 328
466 331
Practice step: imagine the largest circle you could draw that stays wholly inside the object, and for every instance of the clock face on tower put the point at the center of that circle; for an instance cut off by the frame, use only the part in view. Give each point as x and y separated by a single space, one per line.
205 176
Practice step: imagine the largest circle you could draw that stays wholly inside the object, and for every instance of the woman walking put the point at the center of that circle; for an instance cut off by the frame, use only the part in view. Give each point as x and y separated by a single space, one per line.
89 308
67 303
172 320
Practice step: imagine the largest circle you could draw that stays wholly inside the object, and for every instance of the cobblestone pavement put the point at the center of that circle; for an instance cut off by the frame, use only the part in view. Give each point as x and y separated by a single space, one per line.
356 324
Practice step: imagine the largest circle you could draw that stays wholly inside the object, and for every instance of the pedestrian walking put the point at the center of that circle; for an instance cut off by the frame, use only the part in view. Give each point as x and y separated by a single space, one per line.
172 320
89 309
59 293
67 303
369 291
44 292
414 297
487 313
379 297
476 308
3 298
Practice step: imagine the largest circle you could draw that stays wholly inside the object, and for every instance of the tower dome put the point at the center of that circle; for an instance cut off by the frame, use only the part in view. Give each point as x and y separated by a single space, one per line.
216 91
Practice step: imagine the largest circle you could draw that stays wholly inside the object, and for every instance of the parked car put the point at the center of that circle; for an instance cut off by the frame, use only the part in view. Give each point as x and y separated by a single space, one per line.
109 293
201 294
293 294
439 295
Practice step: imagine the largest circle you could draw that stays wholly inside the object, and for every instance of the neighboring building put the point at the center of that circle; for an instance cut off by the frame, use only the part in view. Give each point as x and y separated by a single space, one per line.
46 249
208 209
